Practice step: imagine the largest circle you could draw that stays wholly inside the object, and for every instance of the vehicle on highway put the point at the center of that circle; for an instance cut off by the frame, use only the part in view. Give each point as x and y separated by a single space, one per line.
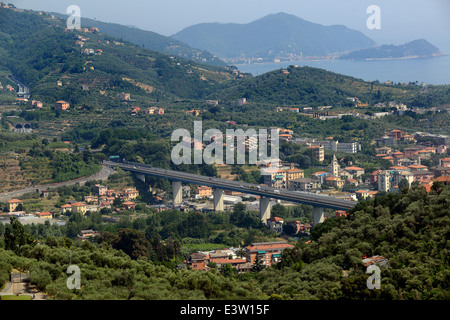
277 191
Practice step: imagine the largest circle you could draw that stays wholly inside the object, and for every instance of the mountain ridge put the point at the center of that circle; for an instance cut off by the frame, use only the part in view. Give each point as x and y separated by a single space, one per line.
273 36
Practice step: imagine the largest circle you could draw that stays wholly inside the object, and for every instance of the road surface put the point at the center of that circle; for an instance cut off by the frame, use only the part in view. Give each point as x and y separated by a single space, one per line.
102 175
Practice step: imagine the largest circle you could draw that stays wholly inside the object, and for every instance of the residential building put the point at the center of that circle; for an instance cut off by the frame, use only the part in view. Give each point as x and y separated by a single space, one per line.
320 176
197 261
79 207
334 182
396 134
14 205
275 224
130 194
445 162
317 152
355 171
61 105
124 96
44 215
383 150
86 234
364 194
100 190
292 174
128 205
384 181
90 199
340 213
268 252
66 208
154 110
242 101
203 191
444 179
37 104
304 184
275 178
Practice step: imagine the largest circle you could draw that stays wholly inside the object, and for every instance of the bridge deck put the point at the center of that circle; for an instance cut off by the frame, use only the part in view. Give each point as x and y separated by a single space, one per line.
286 195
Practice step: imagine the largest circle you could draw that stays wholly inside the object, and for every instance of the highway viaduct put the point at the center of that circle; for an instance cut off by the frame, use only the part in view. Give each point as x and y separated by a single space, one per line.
319 202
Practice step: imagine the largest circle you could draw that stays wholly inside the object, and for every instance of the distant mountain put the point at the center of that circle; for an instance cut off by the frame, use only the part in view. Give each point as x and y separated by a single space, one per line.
151 40
278 35
414 49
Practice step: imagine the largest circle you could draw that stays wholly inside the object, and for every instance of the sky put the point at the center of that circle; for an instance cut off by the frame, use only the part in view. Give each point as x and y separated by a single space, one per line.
401 20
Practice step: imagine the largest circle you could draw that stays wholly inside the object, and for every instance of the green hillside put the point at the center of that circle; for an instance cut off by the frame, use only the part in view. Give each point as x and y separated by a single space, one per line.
317 87
411 230
152 40
40 52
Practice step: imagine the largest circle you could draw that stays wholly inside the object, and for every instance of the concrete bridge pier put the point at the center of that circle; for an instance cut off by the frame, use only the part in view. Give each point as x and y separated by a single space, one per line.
264 209
318 216
218 199
141 177
177 192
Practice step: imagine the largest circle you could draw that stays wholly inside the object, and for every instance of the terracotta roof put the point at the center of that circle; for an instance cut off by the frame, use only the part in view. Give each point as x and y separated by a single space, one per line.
354 168
44 214
226 260
294 170
268 246
442 179
399 168
78 204
14 201
417 166
66 206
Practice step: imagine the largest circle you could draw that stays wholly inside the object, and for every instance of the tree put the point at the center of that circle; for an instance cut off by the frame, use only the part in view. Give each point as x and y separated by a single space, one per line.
227 270
132 242
258 265
403 184
15 236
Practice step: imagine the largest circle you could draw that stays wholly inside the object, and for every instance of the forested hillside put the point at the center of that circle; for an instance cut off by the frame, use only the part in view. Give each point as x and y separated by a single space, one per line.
318 87
39 52
411 230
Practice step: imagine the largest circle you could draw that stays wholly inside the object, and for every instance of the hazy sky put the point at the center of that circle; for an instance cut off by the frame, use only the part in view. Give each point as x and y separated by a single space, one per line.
401 20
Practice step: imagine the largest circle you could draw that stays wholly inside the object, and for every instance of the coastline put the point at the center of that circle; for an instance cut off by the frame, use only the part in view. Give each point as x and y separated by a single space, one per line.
336 58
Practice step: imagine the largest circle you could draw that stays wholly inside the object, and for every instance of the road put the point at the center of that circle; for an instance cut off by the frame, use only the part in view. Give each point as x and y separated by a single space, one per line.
102 175
263 191
23 89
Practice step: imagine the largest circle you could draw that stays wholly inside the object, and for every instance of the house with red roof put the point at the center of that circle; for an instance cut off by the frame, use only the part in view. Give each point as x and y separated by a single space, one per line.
268 252
275 224
13 204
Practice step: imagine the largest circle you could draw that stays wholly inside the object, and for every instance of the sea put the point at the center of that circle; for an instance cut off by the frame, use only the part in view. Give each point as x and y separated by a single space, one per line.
433 71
